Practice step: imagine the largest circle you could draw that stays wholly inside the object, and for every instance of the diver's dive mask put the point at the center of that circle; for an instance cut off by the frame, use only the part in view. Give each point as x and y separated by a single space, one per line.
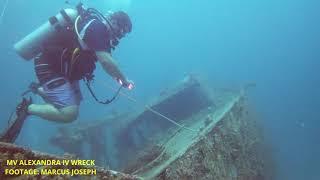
120 22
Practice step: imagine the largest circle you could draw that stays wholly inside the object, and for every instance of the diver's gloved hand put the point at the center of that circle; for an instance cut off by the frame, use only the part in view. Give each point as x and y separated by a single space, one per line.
127 84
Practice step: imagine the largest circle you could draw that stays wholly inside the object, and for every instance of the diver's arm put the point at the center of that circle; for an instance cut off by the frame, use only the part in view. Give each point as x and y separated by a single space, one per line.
110 66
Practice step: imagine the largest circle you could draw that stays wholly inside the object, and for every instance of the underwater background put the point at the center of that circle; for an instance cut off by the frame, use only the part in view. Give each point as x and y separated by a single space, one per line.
274 43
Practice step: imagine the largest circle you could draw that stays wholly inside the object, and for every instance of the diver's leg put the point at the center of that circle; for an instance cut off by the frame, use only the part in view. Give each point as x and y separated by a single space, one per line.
51 113
62 101
62 97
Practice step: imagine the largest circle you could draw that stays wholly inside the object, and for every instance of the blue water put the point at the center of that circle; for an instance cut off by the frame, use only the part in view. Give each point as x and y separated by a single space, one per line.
274 43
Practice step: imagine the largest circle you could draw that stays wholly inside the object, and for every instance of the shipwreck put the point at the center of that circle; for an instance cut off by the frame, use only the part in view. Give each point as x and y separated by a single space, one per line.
190 132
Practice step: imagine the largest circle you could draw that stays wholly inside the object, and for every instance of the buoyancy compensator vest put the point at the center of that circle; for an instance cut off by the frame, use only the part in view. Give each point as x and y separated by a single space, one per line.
60 36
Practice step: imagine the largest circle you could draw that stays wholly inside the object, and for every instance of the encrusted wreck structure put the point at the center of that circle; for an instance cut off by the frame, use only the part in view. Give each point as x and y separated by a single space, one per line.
13 152
200 133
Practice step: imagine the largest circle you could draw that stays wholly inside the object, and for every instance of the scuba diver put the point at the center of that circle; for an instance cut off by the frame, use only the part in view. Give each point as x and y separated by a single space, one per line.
65 50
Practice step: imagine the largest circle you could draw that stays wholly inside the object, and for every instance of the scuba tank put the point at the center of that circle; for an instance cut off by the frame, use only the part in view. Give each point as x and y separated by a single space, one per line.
31 45
57 27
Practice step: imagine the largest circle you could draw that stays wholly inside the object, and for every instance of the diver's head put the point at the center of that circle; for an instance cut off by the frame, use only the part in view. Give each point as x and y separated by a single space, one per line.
121 23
